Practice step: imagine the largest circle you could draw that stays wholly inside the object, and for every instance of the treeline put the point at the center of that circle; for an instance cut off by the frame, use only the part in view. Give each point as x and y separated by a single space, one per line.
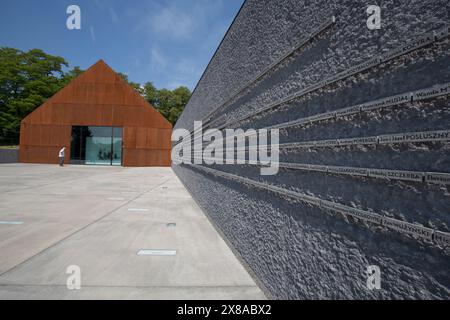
170 103
28 79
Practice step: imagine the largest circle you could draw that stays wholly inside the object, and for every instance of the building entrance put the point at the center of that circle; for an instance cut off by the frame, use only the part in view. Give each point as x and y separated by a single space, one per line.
96 145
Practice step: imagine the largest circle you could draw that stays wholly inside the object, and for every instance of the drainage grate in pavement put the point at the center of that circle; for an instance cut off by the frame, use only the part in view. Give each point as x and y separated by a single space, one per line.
171 224
156 252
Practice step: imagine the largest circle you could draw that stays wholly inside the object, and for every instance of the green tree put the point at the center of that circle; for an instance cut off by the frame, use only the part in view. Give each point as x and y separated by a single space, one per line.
134 85
27 79
170 103
181 98
151 93
70 75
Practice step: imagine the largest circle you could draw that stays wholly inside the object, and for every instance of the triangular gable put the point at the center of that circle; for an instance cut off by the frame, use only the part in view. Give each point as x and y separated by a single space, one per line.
96 89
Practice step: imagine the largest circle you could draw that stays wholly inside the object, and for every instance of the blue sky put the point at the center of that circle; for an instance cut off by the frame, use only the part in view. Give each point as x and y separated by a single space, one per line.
169 42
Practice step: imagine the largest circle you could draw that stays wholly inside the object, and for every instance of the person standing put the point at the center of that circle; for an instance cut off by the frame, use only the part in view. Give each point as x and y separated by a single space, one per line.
62 154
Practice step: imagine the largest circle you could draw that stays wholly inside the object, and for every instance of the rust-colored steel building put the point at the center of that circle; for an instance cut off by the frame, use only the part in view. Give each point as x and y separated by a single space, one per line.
100 119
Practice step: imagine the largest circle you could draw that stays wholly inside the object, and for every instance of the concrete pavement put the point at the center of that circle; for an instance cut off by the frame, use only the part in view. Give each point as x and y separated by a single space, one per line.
98 218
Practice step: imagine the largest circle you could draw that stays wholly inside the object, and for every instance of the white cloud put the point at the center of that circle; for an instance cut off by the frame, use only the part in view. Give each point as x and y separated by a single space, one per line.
158 60
186 69
92 31
176 33
177 19
174 84
106 6
184 73
172 22
113 14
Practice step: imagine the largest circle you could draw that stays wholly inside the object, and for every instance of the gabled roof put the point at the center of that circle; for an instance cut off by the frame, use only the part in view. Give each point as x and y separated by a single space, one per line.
101 96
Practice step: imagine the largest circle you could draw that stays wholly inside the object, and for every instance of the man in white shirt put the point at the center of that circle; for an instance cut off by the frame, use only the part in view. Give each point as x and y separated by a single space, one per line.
61 156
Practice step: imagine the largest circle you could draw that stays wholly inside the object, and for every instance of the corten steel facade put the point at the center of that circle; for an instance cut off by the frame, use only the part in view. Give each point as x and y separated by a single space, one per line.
98 97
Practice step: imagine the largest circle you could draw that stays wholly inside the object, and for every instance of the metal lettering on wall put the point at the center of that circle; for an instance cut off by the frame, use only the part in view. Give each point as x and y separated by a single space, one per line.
412 45
408 228
422 94
410 137
439 178
364 215
416 231
416 176
326 143
427 136
441 238
348 170
396 174
320 168
299 166
419 95
386 102
302 42
361 140
320 117
347 111
415 44
435 91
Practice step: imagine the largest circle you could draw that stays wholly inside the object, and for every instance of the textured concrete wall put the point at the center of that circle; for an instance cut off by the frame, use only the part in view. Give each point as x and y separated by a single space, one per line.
9 156
297 250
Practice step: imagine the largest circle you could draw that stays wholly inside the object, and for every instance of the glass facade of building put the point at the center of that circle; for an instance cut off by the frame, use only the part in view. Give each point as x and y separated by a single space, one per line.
96 145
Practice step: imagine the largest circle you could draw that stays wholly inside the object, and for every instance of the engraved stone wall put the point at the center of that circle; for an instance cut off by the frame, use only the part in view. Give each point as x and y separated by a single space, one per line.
364 120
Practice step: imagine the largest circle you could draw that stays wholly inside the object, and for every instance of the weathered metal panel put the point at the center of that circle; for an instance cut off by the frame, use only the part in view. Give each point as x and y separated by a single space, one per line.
129 137
99 97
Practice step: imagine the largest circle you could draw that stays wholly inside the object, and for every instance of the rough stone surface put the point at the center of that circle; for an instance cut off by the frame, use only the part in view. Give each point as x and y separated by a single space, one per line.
298 251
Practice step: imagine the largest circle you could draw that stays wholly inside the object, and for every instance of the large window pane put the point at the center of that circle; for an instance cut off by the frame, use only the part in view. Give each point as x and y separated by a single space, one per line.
96 145
78 146
117 147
